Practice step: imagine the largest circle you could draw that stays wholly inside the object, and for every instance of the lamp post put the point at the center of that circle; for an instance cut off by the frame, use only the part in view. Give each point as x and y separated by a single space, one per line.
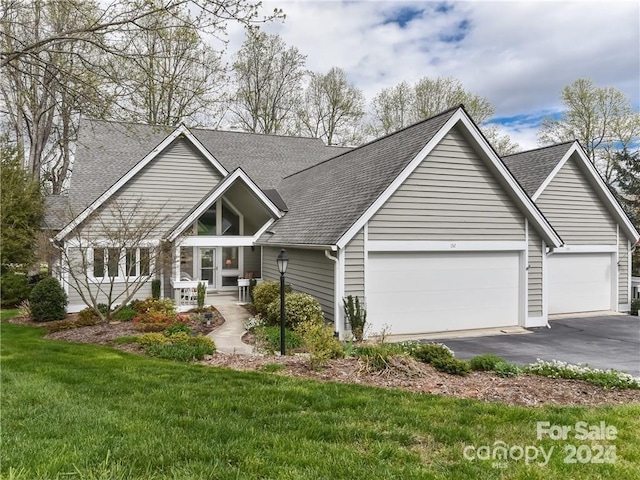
283 262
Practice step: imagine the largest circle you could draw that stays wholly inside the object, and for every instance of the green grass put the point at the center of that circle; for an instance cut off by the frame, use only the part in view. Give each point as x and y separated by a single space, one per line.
89 412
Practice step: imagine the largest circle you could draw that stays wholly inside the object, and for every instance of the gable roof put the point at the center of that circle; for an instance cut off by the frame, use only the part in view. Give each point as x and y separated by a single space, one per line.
540 178
533 167
330 202
108 154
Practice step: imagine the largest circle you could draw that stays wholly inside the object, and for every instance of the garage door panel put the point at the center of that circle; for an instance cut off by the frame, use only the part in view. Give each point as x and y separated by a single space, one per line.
580 282
419 292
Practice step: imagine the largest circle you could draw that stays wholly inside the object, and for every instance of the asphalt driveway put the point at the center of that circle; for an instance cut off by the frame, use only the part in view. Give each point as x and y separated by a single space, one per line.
609 341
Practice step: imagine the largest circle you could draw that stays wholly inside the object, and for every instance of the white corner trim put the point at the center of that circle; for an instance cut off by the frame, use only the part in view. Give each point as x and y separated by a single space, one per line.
533 322
217 193
181 130
443 246
586 249
458 117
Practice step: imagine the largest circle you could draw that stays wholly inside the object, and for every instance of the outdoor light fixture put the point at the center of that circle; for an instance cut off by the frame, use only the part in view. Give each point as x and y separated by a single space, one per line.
283 263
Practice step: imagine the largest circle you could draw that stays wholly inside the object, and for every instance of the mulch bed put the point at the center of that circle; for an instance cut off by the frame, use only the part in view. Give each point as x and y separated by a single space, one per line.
406 374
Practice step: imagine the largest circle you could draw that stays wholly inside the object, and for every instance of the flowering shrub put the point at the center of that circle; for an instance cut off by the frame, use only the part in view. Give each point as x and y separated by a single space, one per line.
254 323
605 378
154 322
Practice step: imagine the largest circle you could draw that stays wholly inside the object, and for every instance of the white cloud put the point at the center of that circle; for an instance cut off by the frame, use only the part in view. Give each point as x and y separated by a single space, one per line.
518 54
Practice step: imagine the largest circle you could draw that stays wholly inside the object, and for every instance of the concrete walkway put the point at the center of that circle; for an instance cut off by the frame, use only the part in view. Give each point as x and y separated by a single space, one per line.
228 337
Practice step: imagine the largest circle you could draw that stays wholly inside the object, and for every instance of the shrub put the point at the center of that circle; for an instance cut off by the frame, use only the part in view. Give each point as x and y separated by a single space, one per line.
125 314
165 305
48 301
603 378
635 306
152 339
154 315
268 339
155 288
254 323
320 342
266 293
377 357
451 365
252 284
507 369
201 294
25 309
429 352
178 327
179 346
299 307
485 363
14 289
356 316
88 314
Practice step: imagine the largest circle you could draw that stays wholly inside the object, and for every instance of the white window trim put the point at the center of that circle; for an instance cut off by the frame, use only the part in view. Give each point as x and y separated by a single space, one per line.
122 265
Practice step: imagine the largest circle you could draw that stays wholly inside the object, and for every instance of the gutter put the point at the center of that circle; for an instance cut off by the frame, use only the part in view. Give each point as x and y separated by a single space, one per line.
339 324
303 246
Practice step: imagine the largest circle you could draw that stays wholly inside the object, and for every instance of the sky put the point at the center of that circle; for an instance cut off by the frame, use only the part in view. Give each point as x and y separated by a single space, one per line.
517 54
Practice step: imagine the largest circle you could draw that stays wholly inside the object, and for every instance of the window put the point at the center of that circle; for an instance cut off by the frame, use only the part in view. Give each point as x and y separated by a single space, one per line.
229 258
230 222
116 263
207 222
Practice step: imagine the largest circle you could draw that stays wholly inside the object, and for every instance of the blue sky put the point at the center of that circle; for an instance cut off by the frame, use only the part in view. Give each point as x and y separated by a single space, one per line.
518 54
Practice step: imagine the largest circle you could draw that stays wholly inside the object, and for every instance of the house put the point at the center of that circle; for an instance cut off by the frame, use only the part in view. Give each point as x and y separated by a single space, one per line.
592 270
426 225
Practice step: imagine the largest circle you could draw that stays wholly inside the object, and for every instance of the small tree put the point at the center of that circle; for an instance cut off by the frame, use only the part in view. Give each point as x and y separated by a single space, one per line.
356 315
114 253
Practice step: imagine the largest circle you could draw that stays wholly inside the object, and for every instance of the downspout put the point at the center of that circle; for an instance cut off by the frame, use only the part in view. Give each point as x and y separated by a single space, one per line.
336 300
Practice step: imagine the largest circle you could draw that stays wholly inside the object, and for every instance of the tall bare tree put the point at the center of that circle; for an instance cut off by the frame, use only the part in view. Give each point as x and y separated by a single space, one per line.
601 118
332 108
393 109
268 76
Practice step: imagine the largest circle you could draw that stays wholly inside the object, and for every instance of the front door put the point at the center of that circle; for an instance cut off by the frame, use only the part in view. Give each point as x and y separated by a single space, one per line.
208 266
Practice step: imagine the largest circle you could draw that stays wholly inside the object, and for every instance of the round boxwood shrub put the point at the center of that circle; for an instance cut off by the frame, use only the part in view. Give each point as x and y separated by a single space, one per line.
48 301
15 289
299 307
429 352
451 365
266 293
485 362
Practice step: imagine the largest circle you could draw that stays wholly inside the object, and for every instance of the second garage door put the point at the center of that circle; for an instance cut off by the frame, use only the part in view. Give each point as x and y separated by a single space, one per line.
579 282
418 292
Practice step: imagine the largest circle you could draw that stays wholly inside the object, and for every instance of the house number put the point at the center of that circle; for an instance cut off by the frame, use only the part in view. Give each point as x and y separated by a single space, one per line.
453 245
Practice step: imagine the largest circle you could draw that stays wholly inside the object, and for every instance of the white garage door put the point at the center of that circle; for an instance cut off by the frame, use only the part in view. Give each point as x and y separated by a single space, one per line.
418 292
579 282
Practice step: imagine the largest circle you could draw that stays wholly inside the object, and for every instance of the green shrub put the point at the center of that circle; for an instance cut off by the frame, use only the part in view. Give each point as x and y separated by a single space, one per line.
485 363
252 284
179 346
429 352
268 339
378 357
178 327
201 294
152 339
48 301
266 293
299 307
155 305
14 289
635 306
356 315
507 369
320 342
451 365
155 288
125 314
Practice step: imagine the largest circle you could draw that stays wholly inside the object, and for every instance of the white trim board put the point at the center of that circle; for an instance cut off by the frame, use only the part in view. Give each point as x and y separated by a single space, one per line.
594 179
585 249
459 117
216 194
181 130
442 246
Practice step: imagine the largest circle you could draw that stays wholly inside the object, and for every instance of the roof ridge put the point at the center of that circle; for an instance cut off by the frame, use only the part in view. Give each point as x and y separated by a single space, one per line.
541 148
378 139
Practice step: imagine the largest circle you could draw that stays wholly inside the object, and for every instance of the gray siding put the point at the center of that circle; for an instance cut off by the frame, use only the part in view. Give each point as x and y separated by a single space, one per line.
534 262
451 196
167 188
309 271
354 267
623 271
252 260
575 211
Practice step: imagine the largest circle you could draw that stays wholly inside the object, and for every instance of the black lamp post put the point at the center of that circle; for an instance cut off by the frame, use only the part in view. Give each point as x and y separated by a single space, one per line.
283 262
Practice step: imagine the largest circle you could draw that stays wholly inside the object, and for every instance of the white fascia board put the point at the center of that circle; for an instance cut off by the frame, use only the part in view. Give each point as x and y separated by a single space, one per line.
601 188
458 117
106 243
300 246
181 130
218 193
443 246
586 249
215 241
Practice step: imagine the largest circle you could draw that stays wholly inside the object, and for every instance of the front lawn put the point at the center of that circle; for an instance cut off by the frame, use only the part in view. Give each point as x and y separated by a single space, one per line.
85 411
